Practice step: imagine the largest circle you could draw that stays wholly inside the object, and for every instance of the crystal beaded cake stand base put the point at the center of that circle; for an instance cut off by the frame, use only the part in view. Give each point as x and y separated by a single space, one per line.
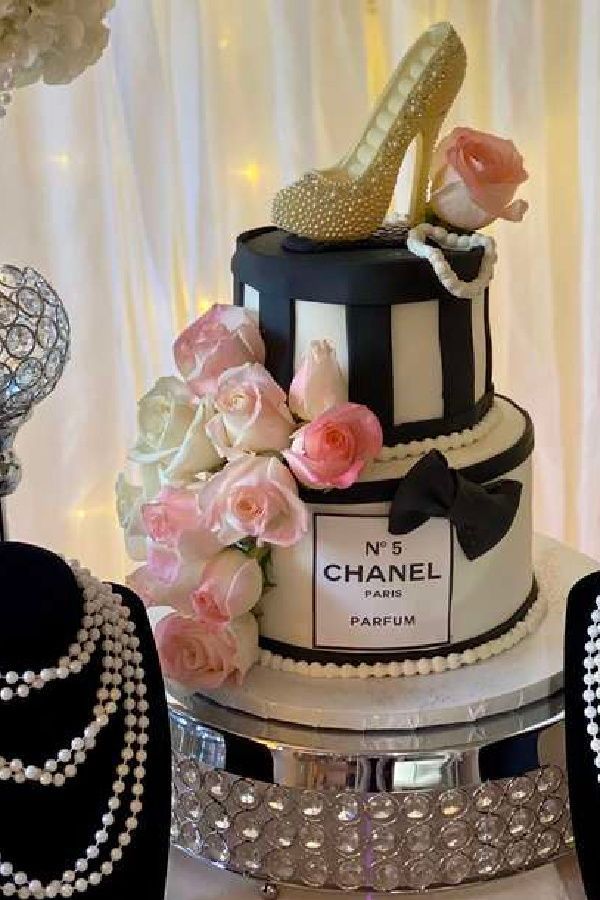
528 672
396 811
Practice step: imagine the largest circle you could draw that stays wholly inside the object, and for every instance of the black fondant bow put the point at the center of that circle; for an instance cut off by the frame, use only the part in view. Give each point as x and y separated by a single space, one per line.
481 514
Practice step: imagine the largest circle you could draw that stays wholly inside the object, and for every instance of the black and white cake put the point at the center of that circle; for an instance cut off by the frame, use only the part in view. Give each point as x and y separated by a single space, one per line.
350 592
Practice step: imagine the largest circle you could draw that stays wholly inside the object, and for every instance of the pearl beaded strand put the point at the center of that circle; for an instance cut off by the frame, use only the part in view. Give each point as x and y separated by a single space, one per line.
591 680
416 242
112 628
78 654
90 869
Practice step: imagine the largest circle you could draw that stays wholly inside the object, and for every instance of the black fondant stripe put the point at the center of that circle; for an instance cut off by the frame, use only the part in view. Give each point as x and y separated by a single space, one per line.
488 343
238 292
416 431
380 491
371 379
456 348
304 654
277 320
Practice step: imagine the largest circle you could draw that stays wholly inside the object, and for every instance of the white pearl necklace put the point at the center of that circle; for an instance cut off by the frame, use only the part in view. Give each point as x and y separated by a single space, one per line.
78 654
591 694
111 622
123 648
416 242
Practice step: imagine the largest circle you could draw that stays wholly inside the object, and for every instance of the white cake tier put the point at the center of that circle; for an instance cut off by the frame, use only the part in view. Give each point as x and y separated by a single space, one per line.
350 592
528 672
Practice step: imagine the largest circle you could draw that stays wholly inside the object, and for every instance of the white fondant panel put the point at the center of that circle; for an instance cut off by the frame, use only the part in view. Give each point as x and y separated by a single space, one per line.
319 322
486 592
478 325
416 349
251 301
371 589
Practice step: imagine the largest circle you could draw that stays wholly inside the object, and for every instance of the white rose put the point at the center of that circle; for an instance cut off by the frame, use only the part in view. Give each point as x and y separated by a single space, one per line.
172 444
130 498
252 416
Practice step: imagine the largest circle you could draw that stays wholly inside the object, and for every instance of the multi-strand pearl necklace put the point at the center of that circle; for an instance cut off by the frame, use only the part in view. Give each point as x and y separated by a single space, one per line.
106 619
591 680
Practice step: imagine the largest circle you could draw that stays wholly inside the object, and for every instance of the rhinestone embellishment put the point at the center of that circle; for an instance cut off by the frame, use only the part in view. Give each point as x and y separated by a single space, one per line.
406 840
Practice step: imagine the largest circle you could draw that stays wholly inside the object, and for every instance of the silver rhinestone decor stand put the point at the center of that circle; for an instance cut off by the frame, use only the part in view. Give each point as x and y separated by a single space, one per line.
404 812
34 348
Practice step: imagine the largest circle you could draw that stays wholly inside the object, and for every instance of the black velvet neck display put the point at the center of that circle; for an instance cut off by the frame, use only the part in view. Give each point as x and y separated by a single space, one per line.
43 830
584 790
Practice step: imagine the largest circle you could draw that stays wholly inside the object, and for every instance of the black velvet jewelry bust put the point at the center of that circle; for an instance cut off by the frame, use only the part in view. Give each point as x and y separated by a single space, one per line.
584 789
43 830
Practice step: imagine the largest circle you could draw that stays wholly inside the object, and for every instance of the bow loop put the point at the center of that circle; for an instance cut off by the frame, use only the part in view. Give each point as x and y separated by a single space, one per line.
481 514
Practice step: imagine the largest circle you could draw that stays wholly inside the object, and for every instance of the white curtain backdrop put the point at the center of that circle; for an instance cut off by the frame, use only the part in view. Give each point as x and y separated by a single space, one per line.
127 188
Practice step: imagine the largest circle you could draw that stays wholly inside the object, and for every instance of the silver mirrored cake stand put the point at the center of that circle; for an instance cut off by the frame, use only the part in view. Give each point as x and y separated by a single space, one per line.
392 810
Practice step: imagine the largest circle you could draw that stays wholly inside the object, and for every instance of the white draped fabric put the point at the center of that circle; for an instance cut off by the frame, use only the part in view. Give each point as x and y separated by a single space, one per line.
127 188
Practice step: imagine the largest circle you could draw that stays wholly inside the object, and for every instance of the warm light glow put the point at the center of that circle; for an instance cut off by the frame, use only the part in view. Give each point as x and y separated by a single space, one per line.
224 42
62 160
251 172
87 512
203 304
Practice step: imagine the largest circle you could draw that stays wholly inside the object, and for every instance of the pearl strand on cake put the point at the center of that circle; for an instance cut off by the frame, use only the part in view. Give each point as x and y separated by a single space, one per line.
591 694
64 765
78 879
417 244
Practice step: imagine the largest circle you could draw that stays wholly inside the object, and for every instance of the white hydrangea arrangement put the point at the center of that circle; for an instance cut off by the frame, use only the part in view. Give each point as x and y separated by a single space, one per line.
50 40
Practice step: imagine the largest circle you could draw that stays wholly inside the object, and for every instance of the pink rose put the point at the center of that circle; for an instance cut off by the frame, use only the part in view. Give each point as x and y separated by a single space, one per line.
254 497
231 585
196 658
318 384
474 179
251 413
223 337
176 532
177 592
332 451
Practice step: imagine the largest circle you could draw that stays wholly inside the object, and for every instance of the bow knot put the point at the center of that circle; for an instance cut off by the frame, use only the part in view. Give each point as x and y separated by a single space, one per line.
481 514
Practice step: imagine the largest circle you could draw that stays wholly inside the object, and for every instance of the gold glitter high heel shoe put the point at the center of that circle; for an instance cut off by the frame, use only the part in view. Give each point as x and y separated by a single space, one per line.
349 201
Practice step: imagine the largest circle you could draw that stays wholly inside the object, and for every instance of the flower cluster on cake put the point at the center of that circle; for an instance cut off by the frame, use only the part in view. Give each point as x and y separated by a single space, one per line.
220 453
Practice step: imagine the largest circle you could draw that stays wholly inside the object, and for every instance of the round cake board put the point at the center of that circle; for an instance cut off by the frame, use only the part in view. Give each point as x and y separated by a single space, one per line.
530 671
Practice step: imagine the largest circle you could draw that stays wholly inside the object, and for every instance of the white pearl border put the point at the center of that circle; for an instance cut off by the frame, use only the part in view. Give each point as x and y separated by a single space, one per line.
417 244
591 681
443 442
409 667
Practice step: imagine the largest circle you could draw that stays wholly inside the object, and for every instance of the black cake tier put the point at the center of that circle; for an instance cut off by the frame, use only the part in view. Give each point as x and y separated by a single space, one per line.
420 358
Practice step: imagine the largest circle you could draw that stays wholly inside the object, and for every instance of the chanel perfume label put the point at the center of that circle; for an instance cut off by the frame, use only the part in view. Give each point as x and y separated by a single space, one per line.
376 591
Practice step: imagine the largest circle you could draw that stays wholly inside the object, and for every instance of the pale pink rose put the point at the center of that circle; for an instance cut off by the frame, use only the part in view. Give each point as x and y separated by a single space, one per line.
474 179
174 511
252 415
199 659
254 497
231 585
318 384
332 451
176 532
177 592
222 338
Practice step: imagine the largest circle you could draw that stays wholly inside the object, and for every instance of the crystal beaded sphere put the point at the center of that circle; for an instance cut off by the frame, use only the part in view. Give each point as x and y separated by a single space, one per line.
34 340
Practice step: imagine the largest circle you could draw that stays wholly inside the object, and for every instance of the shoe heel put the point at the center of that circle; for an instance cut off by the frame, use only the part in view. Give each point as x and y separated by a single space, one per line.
426 139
